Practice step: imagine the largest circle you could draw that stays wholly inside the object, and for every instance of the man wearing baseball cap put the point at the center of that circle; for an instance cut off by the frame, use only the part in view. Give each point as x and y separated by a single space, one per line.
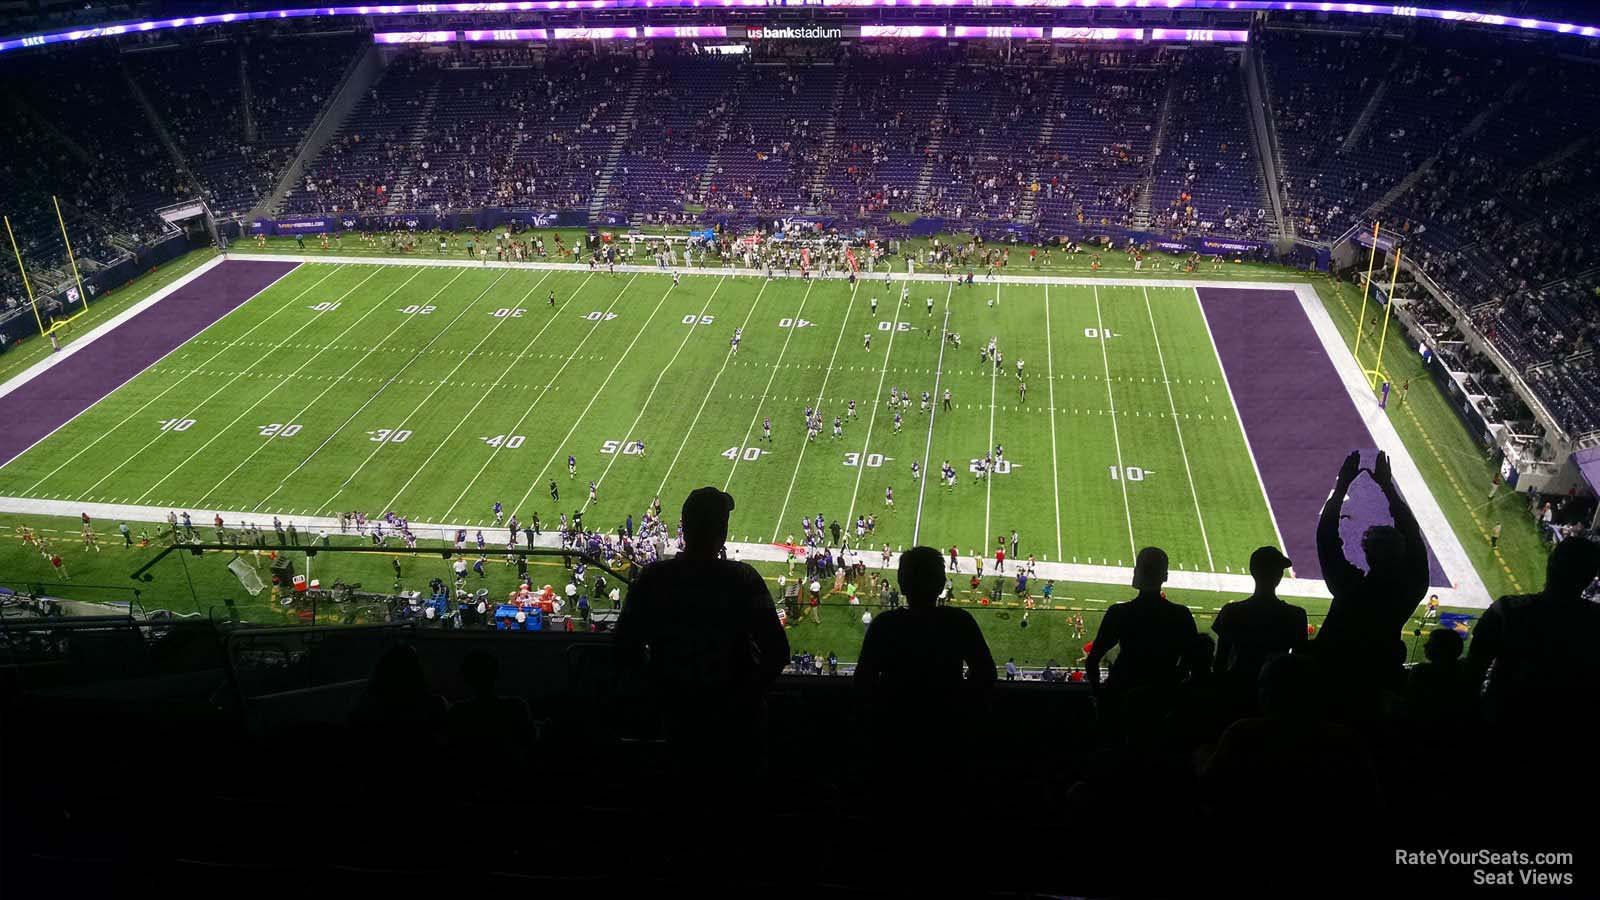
1253 631
705 634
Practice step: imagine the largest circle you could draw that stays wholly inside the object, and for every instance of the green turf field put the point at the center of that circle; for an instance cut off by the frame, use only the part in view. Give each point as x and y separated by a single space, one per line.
437 391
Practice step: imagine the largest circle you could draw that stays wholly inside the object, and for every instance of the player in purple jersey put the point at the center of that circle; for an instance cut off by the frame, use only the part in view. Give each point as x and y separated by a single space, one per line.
888 497
766 429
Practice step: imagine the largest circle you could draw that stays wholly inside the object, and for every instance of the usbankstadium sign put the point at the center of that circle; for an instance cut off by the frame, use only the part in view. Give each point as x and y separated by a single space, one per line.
798 32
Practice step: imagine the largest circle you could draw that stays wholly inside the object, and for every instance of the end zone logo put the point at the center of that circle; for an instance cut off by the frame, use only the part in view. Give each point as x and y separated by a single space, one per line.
792 32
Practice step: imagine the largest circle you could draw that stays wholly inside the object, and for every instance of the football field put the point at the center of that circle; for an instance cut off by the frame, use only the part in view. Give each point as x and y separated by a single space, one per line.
436 391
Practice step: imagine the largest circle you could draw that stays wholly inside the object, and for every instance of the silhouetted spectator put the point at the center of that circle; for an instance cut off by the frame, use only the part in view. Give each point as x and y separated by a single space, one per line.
1257 629
1360 640
914 656
1260 764
1155 634
488 725
1440 693
397 705
706 633
1538 650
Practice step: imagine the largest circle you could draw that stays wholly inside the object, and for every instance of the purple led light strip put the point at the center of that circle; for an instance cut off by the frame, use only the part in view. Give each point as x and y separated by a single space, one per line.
1413 12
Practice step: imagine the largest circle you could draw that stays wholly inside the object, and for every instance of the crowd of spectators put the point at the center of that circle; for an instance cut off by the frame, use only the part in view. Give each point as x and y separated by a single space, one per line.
1224 728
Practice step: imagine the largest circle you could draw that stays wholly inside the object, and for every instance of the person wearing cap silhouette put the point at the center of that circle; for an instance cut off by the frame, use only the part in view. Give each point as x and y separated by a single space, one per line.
1255 630
1154 633
705 634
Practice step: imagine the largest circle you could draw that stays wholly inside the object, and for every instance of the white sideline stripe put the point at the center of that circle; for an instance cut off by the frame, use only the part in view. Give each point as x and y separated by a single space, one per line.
1452 556
1050 372
493 329
101 330
927 448
793 325
111 324
717 271
257 402
828 373
626 354
495 453
1243 432
229 345
194 410
726 359
1111 575
627 436
1211 563
1116 434
416 355
507 369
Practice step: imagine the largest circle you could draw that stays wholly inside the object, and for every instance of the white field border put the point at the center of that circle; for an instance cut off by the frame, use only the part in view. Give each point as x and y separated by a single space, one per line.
112 324
115 322
1463 576
750 552
738 271
1468 590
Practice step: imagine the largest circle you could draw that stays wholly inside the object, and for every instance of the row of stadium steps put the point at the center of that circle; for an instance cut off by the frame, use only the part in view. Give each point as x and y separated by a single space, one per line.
1474 126
185 174
399 197
941 115
1141 209
1264 136
817 187
619 142
1030 201
1359 127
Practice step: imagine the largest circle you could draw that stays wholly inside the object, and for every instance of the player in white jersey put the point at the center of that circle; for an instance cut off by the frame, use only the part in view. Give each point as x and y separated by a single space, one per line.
850 409
1019 370
866 342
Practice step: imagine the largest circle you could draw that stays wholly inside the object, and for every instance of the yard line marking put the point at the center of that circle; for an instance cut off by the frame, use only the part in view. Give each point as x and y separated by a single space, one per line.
1116 435
938 371
1211 564
349 328
499 321
415 355
828 373
771 378
707 397
548 387
861 463
486 394
595 395
627 437
988 477
198 406
1228 389
1050 381
226 346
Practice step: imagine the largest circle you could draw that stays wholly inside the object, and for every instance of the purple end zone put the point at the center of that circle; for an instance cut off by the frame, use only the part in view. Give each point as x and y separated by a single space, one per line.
63 391
1299 417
